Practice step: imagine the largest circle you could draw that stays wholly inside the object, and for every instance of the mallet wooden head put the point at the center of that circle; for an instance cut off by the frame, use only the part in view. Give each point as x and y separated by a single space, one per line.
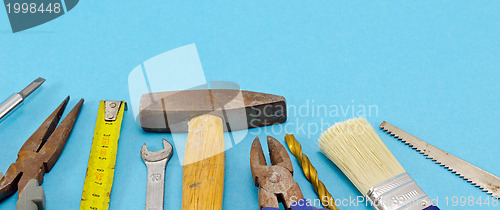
171 111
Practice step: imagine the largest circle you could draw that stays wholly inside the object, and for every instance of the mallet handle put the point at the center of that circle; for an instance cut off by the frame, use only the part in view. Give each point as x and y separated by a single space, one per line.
203 171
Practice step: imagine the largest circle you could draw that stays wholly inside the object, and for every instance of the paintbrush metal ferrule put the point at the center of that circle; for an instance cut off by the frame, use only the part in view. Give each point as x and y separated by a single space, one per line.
400 192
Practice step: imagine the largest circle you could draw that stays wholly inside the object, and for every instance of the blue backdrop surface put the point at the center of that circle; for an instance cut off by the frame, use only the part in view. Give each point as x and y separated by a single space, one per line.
430 68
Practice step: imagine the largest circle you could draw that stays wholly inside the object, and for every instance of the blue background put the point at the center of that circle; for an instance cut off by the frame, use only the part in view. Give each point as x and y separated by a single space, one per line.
432 68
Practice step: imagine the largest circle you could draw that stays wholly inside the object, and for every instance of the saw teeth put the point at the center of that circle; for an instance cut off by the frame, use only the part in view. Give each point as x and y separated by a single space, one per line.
469 180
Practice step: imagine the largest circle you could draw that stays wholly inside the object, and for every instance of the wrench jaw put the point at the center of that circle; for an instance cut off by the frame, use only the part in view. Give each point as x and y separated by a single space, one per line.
168 148
156 163
150 156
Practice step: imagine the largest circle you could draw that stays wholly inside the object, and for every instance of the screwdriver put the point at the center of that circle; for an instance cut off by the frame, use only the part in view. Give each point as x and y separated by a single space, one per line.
16 99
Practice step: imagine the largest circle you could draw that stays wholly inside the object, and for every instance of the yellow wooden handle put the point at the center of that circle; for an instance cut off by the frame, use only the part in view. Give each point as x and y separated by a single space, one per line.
203 171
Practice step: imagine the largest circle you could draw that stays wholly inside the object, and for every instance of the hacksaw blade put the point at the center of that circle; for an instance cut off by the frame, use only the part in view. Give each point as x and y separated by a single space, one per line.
485 181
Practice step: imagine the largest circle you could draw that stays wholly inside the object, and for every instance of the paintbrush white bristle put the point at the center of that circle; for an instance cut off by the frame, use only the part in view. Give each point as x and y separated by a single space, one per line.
359 152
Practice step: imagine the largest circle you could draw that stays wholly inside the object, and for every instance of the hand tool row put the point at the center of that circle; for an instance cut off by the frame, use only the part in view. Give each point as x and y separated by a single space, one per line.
205 115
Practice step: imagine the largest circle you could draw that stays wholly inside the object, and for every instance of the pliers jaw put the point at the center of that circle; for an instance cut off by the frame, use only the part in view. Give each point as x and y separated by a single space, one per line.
40 136
275 181
40 152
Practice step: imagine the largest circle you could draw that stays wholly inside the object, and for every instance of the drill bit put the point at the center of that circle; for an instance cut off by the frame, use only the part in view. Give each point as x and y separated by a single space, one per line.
310 172
16 99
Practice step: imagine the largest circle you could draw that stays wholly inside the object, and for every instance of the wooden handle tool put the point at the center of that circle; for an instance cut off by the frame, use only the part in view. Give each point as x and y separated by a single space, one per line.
205 115
203 172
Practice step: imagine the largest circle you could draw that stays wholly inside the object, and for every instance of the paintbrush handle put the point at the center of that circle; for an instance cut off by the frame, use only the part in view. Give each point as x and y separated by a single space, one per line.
203 171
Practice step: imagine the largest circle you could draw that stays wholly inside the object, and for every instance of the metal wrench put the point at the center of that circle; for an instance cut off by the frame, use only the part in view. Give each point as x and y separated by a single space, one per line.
156 163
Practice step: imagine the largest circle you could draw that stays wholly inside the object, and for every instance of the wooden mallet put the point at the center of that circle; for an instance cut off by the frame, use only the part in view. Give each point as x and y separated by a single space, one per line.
205 115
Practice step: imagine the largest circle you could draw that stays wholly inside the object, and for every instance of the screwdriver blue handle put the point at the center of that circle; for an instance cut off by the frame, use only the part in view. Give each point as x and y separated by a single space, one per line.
301 204
432 208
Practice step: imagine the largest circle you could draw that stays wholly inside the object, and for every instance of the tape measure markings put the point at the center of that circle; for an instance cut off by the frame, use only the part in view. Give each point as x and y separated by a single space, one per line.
102 159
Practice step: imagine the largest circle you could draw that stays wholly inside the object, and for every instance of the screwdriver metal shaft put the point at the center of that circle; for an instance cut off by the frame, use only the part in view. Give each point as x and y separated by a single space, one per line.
16 99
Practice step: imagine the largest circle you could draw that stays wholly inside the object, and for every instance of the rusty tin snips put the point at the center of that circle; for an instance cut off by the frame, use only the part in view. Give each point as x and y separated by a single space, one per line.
275 181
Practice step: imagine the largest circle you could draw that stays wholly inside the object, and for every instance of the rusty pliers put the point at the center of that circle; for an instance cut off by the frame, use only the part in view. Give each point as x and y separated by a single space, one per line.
40 152
275 181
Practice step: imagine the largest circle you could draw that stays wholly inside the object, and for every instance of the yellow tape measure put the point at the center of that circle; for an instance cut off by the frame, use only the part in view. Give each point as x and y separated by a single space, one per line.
101 166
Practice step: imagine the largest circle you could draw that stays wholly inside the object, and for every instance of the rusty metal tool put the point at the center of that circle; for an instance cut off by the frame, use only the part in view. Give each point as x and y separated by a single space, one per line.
40 152
486 181
275 181
205 115
156 163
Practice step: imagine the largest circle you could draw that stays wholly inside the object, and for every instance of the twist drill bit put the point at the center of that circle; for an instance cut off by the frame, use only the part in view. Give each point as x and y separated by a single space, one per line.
310 172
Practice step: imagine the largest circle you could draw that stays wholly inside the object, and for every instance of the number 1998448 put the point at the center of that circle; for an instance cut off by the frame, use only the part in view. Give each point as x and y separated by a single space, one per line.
33 8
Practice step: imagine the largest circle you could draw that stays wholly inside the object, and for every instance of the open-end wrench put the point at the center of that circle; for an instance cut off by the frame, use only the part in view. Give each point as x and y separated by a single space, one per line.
156 163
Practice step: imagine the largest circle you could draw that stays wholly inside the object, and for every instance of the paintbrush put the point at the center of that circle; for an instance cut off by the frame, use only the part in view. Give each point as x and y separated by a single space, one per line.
361 155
